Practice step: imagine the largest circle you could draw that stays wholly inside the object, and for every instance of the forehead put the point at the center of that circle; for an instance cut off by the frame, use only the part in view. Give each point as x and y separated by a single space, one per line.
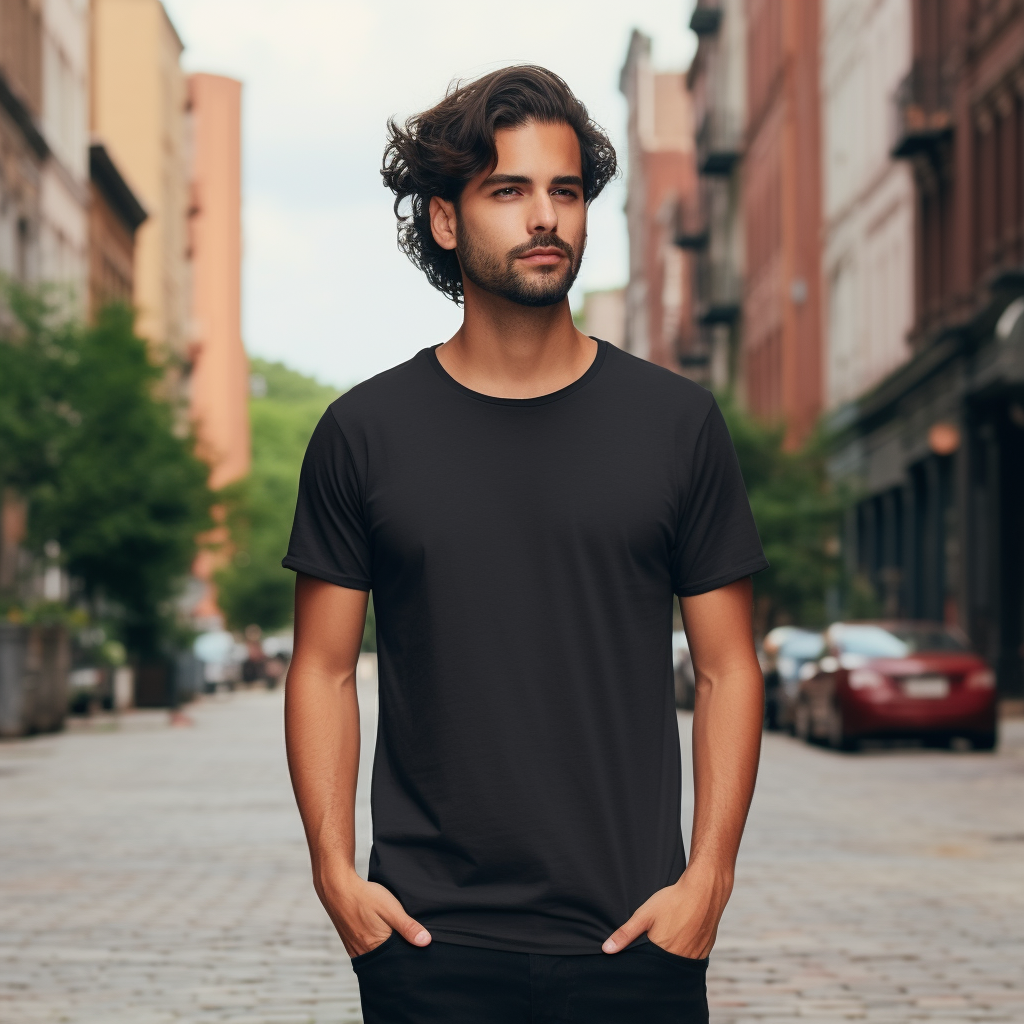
552 147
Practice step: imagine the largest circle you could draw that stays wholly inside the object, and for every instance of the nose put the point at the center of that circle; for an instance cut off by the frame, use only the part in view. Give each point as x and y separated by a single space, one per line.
543 218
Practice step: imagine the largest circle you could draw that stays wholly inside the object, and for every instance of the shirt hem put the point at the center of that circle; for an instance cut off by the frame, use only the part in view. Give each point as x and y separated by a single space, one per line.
730 576
338 579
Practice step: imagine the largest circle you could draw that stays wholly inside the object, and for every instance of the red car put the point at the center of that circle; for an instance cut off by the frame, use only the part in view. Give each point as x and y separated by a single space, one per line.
896 679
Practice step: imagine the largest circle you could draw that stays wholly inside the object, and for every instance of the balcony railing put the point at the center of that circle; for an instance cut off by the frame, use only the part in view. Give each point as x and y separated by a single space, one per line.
719 142
921 115
706 17
719 293
691 224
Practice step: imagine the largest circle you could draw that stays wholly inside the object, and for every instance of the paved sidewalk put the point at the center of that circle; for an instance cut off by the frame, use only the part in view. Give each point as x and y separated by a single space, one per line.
156 874
886 886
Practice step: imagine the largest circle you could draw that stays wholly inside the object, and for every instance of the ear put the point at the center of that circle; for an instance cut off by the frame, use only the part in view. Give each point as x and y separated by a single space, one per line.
442 222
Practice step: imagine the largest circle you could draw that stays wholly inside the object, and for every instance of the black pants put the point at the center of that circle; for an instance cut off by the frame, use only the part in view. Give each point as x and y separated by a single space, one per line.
447 984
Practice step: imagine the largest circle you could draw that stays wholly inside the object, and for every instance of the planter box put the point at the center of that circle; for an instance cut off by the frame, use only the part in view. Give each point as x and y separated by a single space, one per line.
34 666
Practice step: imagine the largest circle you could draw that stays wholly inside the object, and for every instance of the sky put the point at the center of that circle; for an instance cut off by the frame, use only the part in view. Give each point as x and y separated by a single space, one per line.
325 290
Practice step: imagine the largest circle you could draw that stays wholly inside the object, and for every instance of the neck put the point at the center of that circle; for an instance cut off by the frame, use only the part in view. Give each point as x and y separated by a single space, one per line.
507 350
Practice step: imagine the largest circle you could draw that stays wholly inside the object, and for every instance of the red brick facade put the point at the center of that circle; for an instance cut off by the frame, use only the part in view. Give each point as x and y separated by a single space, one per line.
782 209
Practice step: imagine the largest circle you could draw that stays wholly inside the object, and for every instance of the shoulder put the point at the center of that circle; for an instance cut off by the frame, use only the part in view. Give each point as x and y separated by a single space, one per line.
661 392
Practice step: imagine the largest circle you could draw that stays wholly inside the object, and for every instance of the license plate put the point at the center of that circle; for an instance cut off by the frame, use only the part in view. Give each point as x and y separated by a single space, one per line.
927 687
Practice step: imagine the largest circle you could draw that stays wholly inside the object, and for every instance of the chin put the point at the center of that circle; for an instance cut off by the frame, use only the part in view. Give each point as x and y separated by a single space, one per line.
539 293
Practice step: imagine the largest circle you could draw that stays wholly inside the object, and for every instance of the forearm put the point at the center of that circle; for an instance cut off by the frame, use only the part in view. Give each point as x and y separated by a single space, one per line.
322 738
727 718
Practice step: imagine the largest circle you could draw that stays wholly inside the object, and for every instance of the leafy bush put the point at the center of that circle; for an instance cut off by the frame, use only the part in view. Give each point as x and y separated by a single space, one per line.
254 588
101 459
798 513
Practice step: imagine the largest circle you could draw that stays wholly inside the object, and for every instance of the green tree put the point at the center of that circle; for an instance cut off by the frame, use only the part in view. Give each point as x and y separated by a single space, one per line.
283 411
798 513
88 442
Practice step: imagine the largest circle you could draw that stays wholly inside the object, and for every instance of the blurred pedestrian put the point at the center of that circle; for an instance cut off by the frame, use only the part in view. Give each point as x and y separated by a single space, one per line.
524 501
254 666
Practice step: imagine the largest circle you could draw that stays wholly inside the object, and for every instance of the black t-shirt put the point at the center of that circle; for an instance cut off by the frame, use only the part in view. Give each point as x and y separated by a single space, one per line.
523 554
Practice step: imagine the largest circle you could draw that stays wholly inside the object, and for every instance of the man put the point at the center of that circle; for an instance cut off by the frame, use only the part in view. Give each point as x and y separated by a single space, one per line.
523 501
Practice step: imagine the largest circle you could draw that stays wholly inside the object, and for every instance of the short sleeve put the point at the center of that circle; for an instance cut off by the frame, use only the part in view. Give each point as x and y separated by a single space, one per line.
716 539
329 538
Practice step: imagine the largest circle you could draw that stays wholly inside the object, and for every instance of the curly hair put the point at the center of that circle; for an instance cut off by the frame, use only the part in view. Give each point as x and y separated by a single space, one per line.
437 152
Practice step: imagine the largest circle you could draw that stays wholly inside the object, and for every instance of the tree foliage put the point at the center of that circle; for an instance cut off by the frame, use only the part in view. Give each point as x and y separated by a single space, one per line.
254 588
88 442
798 513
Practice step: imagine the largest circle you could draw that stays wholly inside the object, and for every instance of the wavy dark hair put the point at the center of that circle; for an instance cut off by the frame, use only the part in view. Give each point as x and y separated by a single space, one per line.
437 152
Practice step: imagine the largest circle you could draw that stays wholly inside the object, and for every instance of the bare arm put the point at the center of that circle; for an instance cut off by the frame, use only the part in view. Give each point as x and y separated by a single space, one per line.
322 738
728 712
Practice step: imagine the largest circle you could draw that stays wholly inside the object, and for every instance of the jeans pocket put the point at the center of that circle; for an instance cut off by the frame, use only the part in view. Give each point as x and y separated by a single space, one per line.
686 961
377 951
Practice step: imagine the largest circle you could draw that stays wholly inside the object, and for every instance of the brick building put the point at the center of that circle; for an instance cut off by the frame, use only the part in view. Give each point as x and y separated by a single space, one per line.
660 179
23 149
711 226
937 448
782 345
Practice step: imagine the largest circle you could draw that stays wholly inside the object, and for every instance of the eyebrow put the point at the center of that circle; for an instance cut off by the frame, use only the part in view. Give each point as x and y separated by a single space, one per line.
522 179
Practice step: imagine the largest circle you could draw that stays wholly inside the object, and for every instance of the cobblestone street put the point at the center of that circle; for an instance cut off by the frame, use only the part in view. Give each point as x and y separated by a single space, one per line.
155 874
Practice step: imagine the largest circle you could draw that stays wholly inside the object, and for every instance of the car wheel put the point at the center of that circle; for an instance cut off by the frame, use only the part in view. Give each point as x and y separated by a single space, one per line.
984 740
837 735
802 721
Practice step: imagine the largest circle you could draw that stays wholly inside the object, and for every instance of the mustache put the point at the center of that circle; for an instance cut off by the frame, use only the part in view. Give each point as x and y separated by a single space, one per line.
542 242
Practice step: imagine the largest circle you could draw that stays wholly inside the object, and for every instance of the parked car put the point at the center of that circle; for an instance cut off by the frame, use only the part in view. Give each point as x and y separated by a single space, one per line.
787 656
222 657
897 679
682 671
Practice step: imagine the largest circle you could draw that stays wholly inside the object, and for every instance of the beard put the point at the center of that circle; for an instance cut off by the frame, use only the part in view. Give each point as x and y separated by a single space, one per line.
500 275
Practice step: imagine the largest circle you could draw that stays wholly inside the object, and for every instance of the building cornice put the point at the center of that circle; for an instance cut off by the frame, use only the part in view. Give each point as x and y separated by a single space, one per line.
22 117
105 175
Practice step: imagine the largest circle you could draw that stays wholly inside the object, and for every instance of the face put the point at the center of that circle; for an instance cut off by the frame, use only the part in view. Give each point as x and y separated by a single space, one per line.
520 228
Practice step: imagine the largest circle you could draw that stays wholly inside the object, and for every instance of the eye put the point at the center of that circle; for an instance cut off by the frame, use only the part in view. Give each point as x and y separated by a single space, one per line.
508 191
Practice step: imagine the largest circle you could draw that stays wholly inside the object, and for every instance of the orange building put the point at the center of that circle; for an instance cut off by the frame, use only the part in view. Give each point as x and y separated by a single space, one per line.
219 379
219 382
782 209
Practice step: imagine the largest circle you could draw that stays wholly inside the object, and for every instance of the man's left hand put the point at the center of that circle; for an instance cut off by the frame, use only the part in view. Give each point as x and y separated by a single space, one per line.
681 918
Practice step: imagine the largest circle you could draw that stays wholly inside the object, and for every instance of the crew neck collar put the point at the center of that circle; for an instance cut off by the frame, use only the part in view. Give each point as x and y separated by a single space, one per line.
554 396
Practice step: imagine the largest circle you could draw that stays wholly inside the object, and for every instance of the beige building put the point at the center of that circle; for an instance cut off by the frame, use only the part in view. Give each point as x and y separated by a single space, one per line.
64 196
868 197
138 112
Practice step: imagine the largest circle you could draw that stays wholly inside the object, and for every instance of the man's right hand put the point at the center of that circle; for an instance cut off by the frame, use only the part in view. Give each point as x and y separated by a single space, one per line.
365 913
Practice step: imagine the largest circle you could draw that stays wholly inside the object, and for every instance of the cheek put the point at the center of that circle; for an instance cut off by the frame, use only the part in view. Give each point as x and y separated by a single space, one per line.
500 231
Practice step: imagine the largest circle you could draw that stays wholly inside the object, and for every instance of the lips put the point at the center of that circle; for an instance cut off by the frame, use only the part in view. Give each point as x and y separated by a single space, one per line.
543 255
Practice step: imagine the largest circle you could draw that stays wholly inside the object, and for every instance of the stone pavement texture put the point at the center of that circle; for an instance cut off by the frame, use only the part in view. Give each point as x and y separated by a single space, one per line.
154 874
